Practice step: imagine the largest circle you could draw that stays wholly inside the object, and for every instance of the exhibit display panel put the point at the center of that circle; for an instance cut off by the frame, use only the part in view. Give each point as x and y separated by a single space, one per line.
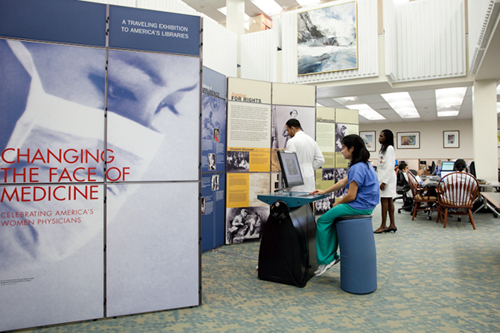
213 160
52 155
248 157
213 130
51 245
152 117
332 126
93 140
152 248
213 210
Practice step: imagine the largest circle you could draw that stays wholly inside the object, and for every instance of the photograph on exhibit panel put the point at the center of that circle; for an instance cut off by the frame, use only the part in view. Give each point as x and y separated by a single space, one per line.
238 161
339 175
52 112
213 133
324 205
153 115
213 187
282 113
245 223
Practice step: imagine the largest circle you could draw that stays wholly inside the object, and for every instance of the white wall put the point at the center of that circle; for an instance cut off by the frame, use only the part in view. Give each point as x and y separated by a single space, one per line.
431 139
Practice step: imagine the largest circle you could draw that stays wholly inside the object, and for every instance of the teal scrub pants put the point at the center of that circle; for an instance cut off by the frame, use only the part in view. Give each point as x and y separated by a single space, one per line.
326 233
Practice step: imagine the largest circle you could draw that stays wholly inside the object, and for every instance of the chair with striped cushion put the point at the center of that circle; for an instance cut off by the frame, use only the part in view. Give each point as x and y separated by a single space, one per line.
457 191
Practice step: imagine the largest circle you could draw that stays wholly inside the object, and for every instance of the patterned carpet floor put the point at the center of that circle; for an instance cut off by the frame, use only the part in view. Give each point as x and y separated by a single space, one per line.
430 279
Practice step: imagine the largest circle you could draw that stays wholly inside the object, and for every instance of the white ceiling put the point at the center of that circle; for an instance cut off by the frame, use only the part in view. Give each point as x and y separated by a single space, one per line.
424 100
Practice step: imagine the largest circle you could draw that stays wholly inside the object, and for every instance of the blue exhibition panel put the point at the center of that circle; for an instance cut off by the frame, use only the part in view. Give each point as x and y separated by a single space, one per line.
74 22
147 30
213 186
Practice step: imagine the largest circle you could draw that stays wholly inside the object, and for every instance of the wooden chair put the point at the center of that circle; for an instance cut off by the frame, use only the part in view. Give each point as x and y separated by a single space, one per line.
421 195
458 191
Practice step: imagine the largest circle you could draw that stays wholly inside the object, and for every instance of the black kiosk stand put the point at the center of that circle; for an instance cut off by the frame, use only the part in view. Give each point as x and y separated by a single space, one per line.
288 246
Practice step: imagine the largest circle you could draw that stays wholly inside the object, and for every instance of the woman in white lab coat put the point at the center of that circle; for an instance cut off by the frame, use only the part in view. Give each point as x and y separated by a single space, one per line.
387 180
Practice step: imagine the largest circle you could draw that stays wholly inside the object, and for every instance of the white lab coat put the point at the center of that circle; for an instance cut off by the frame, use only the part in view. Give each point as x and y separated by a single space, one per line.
310 158
386 174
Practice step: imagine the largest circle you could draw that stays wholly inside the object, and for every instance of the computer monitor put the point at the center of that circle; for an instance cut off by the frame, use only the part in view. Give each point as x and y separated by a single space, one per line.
432 168
472 168
446 168
290 169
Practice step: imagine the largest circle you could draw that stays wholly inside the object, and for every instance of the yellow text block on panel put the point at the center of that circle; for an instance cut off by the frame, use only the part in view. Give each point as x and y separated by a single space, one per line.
237 190
347 116
260 160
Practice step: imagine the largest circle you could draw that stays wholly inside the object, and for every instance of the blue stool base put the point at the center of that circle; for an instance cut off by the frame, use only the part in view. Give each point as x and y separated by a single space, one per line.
358 258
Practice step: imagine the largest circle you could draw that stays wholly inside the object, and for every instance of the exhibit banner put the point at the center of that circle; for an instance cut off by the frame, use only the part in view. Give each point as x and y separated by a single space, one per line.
213 210
213 131
60 21
152 247
245 213
153 118
52 157
148 30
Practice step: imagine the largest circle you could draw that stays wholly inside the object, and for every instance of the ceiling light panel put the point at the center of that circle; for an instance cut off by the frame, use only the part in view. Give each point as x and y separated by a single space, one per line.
366 112
270 7
402 103
449 101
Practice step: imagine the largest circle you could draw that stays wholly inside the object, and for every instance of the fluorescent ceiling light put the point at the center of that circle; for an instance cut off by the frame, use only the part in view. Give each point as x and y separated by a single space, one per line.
449 101
448 113
307 2
270 7
366 112
402 103
398 2
347 100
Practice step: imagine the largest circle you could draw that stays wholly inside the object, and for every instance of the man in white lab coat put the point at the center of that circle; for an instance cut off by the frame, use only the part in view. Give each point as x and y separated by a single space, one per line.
308 153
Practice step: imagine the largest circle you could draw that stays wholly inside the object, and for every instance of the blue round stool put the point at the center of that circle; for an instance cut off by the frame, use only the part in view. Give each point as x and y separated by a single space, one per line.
358 258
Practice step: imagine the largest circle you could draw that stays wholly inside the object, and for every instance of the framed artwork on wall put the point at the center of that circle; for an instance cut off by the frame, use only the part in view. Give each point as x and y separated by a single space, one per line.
451 139
498 138
369 137
327 39
408 140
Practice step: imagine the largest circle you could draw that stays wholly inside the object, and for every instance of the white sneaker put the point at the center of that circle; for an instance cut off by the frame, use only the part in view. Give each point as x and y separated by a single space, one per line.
323 268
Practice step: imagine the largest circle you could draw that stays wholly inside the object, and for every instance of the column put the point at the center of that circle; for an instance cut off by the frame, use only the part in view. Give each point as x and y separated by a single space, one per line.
484 129
235 21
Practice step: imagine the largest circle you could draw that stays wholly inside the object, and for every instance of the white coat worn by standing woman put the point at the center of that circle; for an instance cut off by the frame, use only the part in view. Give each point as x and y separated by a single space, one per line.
387 180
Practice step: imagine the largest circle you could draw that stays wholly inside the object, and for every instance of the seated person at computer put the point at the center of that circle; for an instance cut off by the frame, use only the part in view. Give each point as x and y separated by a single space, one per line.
404 168
361 197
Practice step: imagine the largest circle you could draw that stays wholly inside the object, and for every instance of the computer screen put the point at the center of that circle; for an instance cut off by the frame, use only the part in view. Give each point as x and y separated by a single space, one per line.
290 168
446 168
